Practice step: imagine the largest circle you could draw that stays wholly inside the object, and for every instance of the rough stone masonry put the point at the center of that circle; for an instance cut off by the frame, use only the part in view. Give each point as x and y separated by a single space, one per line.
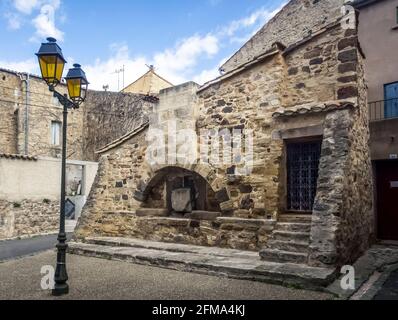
285 87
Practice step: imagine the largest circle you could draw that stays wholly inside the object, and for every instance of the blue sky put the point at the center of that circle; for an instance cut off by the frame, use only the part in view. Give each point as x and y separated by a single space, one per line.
184 39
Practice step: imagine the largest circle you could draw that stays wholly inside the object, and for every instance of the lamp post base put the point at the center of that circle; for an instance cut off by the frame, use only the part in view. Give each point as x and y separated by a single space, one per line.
60 289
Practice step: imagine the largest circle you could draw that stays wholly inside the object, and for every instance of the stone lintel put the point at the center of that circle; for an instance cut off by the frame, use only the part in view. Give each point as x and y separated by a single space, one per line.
295 133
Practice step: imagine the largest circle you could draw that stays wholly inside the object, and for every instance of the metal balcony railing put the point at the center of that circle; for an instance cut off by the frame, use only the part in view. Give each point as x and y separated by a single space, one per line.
383 109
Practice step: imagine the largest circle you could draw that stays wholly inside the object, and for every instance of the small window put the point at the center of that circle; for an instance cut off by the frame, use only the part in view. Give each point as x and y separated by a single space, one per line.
55 133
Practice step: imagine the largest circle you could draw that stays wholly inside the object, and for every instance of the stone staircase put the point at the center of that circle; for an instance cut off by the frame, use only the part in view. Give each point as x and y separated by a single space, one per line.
215 261
289 241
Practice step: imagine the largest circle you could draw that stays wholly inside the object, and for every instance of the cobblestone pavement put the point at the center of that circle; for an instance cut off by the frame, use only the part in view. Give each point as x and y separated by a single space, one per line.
92 278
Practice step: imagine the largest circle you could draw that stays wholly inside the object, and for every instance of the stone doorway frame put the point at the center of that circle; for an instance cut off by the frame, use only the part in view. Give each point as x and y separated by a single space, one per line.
293 135
287 142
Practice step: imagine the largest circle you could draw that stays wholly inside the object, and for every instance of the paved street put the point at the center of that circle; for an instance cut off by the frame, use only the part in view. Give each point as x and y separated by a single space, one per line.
92 278
389 291
19 248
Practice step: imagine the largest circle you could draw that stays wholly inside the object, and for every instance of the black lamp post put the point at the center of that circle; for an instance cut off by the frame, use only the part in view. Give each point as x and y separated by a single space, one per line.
52 64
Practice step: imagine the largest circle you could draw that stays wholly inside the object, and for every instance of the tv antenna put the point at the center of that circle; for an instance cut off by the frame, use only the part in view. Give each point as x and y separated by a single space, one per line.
118 72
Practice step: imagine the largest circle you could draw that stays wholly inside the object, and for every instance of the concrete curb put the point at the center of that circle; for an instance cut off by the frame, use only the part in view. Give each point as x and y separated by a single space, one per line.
375 287
377 259
30 236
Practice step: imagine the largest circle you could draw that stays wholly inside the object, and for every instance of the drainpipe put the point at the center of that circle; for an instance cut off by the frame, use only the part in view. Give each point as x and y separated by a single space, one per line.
26 78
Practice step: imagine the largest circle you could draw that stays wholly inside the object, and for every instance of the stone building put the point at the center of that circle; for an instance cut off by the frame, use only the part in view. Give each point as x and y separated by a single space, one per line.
30 148
291 105
149 84
31 118
378 32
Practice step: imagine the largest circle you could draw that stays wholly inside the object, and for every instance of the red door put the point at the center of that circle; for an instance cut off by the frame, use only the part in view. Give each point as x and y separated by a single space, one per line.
387 199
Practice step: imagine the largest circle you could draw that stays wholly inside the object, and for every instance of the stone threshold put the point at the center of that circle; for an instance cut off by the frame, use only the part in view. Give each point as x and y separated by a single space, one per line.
230 263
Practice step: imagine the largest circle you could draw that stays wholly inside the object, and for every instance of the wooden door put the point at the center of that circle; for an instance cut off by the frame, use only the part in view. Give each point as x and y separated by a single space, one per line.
387 199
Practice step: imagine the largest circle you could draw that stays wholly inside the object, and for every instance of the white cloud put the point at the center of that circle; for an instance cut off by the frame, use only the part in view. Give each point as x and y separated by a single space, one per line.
206 75
44 23
209 74
41 14
177 63
257 18
26 6
29 65
102 72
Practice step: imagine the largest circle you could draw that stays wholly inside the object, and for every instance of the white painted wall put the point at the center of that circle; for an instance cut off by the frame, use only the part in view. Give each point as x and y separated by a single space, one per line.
38 180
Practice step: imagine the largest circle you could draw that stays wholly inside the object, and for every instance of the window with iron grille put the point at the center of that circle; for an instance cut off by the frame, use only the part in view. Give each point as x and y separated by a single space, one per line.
302 175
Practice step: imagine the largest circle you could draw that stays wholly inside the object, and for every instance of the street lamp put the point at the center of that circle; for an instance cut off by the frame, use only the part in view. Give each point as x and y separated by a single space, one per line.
52 64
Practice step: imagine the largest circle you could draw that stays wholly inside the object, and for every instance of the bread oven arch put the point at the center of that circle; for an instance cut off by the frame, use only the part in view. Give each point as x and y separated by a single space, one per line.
205 172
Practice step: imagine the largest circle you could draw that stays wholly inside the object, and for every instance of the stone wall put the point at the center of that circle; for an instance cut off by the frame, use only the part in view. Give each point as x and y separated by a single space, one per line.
287 80
9 106
104 117
222 232
28 218
299 19
314 89
119 172
109 116
343 226
357 230
42 109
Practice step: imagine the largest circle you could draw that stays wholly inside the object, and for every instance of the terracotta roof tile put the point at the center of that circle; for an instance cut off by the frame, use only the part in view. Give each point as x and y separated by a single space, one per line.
18 157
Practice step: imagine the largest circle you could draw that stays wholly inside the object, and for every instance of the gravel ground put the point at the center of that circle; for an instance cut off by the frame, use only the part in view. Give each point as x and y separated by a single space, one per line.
96 279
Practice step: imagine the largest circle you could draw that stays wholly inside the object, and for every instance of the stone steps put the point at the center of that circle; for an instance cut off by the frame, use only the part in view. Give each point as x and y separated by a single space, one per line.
205 260
291 236
289 242
283 256
294 227
295 218
164 246
294 246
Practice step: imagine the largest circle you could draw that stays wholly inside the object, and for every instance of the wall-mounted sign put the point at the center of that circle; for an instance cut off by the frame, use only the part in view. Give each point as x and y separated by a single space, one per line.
393 156
394 184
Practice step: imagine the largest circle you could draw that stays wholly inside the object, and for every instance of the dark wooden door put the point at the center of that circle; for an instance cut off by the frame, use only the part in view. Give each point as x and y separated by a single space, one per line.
302 174
387 199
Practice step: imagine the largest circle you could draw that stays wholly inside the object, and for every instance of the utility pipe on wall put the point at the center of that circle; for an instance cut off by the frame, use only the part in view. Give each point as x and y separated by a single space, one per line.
26 78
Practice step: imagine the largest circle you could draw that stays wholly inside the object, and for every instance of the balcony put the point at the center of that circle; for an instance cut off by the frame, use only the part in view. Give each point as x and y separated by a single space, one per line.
383 110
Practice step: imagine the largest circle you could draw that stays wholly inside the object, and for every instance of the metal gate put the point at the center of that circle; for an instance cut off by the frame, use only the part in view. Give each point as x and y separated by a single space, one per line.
302 174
